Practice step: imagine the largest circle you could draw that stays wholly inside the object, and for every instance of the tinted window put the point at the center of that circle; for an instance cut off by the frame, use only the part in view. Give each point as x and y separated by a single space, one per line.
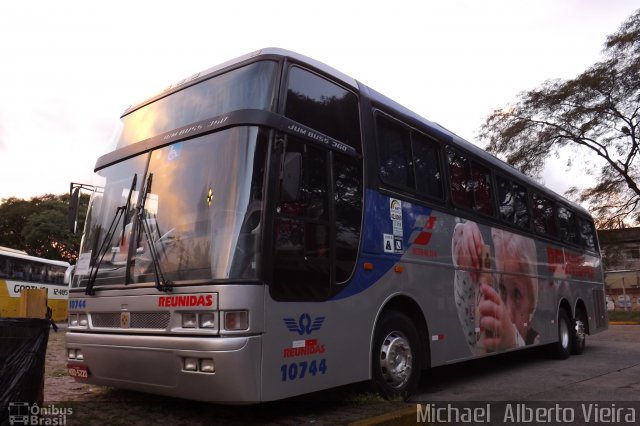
324 106
249 87
394 147
543 216
512 202
470 183
567 225
481 189
587 233
460 175
316 242
348 213
426 162
301 268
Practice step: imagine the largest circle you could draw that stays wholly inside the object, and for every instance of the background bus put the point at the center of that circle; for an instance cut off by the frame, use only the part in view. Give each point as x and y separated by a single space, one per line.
272 227
18 271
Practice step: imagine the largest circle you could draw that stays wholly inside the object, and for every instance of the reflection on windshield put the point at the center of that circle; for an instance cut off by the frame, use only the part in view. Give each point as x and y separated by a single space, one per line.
201 216
113 189
249 87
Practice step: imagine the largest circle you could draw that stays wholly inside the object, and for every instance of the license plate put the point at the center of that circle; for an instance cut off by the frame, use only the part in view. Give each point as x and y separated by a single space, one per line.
78 371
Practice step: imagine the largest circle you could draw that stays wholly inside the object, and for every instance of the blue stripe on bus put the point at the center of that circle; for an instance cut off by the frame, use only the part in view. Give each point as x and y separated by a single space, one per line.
377 223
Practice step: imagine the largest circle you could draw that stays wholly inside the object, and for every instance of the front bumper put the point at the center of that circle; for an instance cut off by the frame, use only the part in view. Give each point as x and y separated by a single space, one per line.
156 364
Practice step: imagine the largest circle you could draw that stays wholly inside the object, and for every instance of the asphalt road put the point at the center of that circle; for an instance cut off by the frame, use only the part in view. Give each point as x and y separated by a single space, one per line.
608 370
601 386
606 374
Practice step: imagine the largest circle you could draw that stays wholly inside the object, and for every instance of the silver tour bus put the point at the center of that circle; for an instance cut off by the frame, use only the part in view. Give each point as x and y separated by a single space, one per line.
272 227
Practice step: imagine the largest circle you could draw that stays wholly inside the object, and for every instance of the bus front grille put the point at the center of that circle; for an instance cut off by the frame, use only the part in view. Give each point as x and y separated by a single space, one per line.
146 320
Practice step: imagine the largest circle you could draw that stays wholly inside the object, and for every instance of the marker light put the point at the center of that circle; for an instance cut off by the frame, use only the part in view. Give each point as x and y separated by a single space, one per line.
236 320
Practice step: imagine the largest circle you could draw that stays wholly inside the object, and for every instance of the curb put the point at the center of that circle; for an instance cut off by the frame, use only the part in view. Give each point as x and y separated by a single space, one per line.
405 416
624 322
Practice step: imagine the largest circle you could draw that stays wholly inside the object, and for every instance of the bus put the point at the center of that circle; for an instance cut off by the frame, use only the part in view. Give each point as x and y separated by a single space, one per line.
272 227
19 271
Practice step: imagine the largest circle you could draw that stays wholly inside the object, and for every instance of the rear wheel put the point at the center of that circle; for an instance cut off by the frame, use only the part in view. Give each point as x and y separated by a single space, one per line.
396 362
579 331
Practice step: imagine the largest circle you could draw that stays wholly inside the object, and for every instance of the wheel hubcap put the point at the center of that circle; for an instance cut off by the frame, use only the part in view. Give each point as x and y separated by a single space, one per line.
580 333
564 334
396 359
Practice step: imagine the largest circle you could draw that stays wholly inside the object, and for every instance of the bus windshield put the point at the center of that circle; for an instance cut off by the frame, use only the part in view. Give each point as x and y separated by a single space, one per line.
248 87
202 213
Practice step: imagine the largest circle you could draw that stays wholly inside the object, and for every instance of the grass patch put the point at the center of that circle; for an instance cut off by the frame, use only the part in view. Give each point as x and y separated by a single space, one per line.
624 315
59 372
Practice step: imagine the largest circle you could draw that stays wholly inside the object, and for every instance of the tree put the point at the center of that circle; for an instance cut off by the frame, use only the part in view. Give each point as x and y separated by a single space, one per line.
594 113
39 226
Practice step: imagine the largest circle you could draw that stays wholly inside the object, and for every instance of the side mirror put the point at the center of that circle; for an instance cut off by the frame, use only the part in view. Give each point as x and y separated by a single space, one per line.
290 177
74 202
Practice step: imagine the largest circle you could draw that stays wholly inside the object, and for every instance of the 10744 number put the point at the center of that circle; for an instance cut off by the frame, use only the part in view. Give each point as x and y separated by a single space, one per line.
298 370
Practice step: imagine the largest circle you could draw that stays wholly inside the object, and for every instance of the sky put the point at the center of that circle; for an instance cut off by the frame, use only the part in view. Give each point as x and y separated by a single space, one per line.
69 68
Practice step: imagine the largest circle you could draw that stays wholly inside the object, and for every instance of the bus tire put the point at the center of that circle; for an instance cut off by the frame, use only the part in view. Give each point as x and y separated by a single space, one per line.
562 348
579 331
396 361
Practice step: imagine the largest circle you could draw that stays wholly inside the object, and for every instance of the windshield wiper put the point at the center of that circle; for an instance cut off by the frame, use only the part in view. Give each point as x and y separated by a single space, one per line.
104 246
162 284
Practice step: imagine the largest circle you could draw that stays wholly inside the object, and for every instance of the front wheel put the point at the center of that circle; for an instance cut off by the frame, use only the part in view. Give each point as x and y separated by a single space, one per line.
396 362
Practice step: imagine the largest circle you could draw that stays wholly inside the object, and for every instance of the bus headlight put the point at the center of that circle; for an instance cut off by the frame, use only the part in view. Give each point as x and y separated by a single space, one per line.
189 321
73 320
190 364
83 320
207 366
207 320
236 320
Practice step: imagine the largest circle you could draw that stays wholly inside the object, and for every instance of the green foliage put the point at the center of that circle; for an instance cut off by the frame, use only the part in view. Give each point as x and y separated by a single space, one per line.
39 226
595 113
624 315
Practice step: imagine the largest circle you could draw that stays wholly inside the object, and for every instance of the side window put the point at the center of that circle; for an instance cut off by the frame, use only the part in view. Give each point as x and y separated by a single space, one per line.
394 148
347 195
470 183
512 202
4 267
587 233
318 103
567 225
543 215
481 182
301 268
460 176
426 162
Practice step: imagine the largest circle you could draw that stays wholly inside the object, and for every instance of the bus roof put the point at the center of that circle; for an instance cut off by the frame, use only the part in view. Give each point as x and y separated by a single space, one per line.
376 98
18 254
273 52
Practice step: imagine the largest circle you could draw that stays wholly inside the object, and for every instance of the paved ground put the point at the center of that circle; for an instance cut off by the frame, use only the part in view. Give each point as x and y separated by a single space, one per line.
608 371
96 405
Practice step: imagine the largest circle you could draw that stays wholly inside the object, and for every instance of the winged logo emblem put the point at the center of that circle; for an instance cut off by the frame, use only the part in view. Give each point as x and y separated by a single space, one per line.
304 325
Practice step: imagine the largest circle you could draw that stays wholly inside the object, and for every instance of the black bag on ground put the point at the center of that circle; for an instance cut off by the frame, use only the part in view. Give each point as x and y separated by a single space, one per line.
23 348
